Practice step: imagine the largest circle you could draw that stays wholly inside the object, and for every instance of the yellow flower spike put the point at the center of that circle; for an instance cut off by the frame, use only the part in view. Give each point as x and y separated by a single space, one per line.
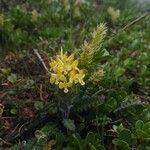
75 64
76 81
64 85
63 78
53 78
61 85
80 77
70 58
72 75
66 90
65 71
61 52
62 56
68 68
82 82
60 62
69 84
53 63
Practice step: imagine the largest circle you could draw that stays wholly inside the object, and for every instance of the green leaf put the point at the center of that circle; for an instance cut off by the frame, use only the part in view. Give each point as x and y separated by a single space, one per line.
13 111
91 147
119 71
101 55
76 141
69 124
38 105
5 71
142 134
122 144
120 128
103 120
105 53
90 137
111 104
115 128
146 127
127 62
139 124
126 136
146 115
147 147
141 147
12 78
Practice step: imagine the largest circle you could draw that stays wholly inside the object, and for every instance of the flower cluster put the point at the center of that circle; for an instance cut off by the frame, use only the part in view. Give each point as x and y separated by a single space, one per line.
65 71
97 75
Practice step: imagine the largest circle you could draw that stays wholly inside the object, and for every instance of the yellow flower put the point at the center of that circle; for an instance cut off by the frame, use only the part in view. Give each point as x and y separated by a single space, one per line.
65 71
53 78
70 58
80 77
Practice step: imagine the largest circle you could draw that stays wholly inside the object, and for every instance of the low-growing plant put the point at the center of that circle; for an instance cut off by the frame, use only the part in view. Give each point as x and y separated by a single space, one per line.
90 94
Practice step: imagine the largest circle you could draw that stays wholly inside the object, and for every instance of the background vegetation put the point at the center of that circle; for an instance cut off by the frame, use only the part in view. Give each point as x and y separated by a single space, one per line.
112 112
